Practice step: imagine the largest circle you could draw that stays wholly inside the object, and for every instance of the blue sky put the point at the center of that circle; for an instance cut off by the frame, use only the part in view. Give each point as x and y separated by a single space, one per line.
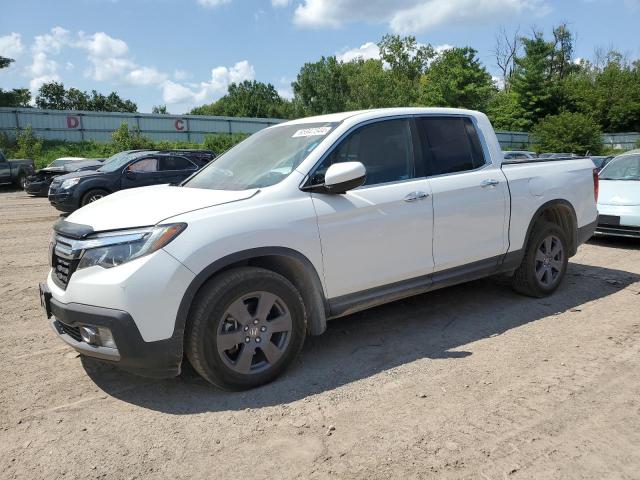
185 52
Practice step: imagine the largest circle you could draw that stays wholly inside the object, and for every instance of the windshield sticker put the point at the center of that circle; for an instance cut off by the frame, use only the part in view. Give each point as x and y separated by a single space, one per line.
311 132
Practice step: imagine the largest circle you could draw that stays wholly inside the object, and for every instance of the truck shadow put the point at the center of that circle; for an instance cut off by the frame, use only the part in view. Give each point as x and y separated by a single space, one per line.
435 325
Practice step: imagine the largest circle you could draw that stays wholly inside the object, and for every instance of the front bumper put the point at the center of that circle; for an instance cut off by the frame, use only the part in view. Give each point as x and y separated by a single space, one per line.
158 359
619 220
37 187
63 200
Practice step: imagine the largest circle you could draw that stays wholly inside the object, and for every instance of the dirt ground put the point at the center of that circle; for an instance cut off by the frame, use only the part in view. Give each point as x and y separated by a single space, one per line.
472 381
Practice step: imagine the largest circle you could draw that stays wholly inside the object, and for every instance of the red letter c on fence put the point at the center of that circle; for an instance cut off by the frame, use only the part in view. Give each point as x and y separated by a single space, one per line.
179 124
73 122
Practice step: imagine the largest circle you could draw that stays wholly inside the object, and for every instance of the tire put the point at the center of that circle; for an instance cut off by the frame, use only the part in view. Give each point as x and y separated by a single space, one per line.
21 180
228 312
545 261
93 195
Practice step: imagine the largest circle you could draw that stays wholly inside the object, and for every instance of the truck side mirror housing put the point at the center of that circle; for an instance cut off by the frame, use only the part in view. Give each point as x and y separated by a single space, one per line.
345 176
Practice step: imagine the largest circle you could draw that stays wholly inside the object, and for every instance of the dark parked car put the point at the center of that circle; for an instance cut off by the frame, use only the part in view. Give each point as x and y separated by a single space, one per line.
15 171
128 169
38 183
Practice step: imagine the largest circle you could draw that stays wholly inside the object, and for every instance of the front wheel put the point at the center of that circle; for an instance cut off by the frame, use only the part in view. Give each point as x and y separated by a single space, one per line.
245 327
545 262
92 196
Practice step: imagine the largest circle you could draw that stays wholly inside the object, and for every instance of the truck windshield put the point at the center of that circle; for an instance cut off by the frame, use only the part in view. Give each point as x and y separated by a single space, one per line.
263 159
626 167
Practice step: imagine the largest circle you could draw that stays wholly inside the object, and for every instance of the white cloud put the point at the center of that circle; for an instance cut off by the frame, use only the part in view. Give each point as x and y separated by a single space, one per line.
411 16
145 76
280 3
101 45
366 51
212 3
11 45
51 42
216 86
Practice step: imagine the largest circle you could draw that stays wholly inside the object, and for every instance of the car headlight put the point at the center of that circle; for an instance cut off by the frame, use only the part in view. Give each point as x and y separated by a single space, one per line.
69 182
111 249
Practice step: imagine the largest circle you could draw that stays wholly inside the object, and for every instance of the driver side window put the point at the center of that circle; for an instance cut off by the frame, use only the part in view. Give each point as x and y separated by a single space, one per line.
146 165
384 148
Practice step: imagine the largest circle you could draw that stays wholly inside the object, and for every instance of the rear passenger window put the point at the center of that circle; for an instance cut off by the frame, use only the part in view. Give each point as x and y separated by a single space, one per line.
175 163
384 148
451 144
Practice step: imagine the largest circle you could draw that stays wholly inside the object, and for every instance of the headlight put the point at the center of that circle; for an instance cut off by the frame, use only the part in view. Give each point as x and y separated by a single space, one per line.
69 182
115 248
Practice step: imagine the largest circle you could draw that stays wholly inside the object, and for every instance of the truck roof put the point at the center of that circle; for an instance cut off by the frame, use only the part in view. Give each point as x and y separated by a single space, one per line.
381 112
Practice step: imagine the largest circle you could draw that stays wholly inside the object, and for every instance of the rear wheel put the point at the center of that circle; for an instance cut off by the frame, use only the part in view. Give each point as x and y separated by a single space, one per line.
545 262
246 326
92 196
21 181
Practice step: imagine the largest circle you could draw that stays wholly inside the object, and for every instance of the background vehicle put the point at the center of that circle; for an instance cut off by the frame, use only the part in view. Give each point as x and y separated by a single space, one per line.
519 154
38 183
619 197
128 169
600 161
15 171
302 222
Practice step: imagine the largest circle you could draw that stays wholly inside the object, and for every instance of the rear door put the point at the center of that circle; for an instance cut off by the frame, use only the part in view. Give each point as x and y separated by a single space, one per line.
470 195
380 233
174 169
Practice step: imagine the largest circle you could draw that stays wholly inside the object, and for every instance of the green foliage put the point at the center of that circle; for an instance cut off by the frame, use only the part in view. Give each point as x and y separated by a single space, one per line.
5 62
457 79
221 143
17 97
248 99
53 95
568 132
28 145
322 87
129 138
505 112
160 109
405 57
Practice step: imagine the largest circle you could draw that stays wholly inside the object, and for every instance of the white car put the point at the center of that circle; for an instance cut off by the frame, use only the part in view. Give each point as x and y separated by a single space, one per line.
619 198
304 222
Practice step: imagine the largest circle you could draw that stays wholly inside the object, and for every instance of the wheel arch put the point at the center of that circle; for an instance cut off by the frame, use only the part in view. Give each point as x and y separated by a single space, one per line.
287 262
562 213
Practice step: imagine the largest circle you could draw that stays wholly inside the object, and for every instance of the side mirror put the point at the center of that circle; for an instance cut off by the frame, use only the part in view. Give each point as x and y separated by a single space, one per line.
342 177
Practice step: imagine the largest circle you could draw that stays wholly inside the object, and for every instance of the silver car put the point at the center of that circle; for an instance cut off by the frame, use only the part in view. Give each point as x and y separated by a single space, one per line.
619 197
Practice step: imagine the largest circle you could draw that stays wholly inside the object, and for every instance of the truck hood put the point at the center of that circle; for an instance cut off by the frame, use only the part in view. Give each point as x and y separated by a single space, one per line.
619 192
144 206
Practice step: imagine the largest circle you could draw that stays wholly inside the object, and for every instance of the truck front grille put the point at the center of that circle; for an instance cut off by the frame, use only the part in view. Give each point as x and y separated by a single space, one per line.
64 262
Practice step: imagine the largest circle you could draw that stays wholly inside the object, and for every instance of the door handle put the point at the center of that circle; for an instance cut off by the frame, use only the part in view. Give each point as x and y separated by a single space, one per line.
490 182
414 196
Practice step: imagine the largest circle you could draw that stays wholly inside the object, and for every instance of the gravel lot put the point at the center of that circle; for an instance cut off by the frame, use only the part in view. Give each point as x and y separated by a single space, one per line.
472 381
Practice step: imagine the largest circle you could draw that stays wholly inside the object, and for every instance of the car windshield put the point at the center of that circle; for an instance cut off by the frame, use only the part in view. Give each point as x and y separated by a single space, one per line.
60 162
263 159
119 160
626 167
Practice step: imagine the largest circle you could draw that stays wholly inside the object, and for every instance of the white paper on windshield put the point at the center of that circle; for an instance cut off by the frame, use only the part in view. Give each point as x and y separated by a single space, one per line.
311 132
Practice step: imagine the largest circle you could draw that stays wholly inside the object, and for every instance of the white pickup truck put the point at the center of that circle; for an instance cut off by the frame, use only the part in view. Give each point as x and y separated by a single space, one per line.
303 222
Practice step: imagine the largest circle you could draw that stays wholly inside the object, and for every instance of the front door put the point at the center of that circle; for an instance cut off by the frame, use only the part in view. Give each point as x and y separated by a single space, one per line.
141 173
380 233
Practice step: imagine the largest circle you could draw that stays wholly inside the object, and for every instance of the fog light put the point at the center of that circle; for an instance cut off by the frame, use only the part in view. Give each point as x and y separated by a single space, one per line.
97 336
106 339
89 335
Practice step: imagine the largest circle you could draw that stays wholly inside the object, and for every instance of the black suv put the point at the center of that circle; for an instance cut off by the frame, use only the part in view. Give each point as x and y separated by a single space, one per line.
128 169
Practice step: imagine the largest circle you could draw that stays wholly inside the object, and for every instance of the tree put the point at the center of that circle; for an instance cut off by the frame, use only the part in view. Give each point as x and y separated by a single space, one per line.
568 132
506 50
505 112
405 56
321 87
54 95
457 79
248 99
160 109
5 62
18 97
